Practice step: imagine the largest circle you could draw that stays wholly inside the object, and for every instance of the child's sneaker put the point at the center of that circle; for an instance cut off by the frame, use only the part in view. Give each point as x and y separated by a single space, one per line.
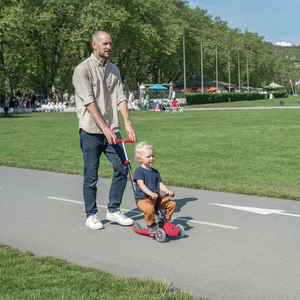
161 224
152 228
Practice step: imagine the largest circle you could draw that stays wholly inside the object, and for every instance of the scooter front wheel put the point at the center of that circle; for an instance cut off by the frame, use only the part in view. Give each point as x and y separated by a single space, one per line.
160 235
181 231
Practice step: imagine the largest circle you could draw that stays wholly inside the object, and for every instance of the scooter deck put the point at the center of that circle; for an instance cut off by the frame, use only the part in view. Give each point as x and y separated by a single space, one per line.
168 227
139 229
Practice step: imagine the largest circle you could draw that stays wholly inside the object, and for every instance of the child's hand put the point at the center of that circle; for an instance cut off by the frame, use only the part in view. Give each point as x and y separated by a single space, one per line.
153 196
171 194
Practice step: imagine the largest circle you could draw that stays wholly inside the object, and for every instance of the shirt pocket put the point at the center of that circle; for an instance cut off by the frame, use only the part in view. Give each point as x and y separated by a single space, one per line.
111 83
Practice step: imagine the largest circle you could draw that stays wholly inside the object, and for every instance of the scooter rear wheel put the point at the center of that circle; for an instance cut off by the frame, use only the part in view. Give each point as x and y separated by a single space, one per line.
160 235
181 231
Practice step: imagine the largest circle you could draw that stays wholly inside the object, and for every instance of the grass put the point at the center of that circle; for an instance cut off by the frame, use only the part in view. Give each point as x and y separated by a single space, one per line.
290 101
24 276
241 151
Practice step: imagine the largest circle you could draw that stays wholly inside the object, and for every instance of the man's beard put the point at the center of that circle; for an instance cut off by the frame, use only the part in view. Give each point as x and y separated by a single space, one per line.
102 54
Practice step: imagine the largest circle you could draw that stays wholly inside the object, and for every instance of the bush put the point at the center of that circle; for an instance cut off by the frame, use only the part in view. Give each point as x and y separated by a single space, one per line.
199 98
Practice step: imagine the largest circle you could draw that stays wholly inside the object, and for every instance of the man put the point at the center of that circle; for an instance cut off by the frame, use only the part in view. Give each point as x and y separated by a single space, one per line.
99 93
72 100
173 95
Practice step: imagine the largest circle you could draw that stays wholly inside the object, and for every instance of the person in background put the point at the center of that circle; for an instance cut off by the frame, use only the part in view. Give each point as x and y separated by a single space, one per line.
72 100
173 95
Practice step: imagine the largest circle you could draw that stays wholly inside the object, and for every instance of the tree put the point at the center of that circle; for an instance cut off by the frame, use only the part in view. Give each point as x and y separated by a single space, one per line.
42 41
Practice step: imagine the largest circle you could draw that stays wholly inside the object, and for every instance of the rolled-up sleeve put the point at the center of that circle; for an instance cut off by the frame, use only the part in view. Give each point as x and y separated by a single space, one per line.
83 86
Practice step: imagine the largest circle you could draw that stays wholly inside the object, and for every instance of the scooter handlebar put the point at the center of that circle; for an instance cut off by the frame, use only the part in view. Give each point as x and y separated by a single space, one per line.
125 141
162 196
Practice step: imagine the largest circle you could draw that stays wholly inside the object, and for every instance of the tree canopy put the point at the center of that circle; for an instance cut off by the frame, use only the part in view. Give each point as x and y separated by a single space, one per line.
42 41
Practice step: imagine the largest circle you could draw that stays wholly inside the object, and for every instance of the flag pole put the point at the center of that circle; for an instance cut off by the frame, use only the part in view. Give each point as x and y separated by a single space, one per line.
291 84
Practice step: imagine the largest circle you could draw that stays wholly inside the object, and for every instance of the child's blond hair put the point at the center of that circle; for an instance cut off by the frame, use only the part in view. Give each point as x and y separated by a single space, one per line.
140 148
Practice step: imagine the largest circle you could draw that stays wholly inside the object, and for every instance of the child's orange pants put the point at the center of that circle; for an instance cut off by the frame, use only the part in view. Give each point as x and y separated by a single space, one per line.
147 207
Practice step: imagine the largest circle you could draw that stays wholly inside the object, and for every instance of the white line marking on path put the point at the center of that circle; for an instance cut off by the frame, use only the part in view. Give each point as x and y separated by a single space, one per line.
207 223
286 214
139 213
67 200
261 211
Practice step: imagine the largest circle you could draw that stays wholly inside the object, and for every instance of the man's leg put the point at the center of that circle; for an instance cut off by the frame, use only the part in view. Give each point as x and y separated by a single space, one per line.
92 146
116 156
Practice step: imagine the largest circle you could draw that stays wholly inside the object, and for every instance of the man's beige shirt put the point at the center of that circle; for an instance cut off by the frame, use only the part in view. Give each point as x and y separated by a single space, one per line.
104 87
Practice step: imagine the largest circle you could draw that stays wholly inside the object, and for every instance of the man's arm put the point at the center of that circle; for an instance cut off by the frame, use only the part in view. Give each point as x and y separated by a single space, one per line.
125 114
110 135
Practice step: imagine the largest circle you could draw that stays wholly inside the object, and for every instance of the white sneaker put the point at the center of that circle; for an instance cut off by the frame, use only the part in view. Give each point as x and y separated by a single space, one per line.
93 222
118 217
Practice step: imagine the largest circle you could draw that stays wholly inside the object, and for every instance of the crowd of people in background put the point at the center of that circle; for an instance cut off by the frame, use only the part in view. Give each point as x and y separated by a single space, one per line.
25 102
34 101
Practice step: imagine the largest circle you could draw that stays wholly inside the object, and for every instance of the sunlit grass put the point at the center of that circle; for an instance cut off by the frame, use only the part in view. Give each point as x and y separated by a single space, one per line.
242 151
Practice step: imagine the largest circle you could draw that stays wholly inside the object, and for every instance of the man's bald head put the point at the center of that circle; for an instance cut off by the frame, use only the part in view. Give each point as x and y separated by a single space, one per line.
98 35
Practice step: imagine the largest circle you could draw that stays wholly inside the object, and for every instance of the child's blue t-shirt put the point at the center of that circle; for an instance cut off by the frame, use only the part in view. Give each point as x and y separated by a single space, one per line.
151 179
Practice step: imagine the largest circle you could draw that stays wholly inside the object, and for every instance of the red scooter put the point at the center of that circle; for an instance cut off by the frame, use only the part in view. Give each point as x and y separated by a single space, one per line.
166 228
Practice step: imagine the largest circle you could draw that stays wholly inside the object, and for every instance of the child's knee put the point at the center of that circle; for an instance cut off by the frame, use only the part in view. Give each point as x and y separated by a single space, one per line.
149 210
173 205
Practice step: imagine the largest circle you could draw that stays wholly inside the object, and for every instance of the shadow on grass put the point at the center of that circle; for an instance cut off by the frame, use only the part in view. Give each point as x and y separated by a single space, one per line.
15 116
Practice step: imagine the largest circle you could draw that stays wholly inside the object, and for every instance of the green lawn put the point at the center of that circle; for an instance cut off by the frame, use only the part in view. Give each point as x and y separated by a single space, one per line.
24 276
242 151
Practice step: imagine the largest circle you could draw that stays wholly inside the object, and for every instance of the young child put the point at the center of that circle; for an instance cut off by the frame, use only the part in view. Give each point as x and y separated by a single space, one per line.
149 183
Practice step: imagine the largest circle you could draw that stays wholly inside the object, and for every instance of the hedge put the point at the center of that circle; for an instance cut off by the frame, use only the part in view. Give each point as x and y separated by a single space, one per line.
199 98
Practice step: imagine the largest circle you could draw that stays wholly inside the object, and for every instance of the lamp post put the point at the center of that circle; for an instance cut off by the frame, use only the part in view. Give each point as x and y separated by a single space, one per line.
201 67
229 68
216 65
184 79
247 73
239 70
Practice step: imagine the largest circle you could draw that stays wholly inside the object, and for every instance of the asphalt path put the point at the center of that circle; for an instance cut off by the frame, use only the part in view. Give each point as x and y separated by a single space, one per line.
236 246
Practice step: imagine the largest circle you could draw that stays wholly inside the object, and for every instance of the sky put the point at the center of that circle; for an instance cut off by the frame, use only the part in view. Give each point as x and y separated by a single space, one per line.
277 20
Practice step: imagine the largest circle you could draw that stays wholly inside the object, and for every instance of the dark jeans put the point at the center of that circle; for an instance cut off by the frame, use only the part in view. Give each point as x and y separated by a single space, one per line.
92 146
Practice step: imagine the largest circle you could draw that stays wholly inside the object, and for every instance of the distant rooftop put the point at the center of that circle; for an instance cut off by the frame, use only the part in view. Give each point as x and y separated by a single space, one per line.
195 82
284 44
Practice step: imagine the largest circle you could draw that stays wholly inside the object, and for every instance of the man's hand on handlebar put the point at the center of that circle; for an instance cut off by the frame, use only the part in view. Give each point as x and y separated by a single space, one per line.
110 135
130 132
